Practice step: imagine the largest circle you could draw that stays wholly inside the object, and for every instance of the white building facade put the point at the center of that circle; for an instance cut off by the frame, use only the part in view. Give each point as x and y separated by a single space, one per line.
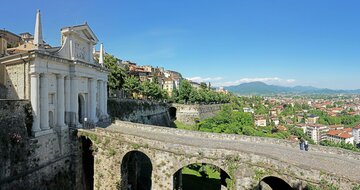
340 135
317 132
356 134
64 84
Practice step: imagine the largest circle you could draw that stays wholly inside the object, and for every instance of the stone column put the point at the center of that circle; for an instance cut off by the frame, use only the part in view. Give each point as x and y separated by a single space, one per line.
44 104
74 104
35 102
67 100
92 97
60 101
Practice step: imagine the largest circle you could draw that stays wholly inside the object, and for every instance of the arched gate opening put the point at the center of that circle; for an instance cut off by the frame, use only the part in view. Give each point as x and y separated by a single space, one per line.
82 110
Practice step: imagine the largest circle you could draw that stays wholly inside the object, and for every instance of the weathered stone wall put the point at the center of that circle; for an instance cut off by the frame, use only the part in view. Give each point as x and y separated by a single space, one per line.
16 80
188 114
26 162
245 168
139 111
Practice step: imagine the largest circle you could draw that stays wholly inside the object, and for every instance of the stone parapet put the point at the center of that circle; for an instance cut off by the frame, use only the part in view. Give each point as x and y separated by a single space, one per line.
190 113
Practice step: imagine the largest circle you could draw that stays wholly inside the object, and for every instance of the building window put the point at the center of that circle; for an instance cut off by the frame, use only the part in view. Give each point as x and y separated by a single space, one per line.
51 98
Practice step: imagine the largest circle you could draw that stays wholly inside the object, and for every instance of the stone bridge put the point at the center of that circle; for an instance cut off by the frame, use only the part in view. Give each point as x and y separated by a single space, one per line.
246 160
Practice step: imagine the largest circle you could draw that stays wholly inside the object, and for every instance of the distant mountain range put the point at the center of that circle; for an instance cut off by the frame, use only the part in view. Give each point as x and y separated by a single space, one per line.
260 88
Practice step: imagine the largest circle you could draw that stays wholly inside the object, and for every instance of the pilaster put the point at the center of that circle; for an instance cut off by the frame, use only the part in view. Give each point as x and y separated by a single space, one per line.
35 101
44 104
60 101
92 98
74 104
105 98
101 98
67 100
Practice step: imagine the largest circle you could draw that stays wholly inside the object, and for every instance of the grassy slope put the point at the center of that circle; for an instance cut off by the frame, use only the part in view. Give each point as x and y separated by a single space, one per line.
192 180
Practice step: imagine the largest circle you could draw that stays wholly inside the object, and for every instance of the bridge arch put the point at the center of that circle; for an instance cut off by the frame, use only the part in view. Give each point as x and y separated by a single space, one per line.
199 175
136 171
274 183
172 113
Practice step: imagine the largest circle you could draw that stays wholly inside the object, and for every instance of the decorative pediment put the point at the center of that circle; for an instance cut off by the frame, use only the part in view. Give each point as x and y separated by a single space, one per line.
83 31
77 43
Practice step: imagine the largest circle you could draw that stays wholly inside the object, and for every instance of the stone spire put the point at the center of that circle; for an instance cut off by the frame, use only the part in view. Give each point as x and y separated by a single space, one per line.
38 38
101 55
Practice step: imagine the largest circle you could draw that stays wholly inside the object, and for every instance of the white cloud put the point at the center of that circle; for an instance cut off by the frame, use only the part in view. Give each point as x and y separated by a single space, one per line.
268 80
206 79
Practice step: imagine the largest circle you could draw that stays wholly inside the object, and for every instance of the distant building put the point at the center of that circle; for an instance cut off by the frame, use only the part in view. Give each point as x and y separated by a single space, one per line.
195 85
248 110
13 40
341 135
312 119
260 121
3 46
273 112
175 76
317 132
300 118
222 90
356 134
169 86
275 120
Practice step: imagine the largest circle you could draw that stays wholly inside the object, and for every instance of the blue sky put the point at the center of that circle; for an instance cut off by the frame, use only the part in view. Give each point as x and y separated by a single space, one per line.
286 42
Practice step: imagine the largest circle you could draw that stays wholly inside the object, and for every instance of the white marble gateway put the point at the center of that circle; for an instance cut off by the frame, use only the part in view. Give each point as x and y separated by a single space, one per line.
65 84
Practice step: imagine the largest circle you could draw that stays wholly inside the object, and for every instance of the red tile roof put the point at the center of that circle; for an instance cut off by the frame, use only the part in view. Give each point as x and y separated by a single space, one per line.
342 133
357 127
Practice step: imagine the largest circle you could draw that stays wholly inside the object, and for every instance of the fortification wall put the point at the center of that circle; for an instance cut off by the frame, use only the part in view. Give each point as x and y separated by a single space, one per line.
26 162
189 114
139 111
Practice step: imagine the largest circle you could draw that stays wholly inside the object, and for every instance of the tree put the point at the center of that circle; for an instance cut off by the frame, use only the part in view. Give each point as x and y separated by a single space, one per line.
203 85
152 90
185 90
132 85
117 75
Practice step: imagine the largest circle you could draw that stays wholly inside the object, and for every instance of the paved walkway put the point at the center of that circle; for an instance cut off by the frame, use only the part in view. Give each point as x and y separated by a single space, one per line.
332 163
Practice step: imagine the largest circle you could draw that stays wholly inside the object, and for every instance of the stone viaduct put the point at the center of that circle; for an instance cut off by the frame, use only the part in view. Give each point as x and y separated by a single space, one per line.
246 160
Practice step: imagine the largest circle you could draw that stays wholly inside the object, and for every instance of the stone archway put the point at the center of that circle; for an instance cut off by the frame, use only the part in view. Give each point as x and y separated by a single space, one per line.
274 183
87 164
201 176
136 171
172 113
82 108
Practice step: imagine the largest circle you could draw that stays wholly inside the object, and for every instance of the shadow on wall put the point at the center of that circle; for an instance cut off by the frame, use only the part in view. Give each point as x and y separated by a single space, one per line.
3 92
87 164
